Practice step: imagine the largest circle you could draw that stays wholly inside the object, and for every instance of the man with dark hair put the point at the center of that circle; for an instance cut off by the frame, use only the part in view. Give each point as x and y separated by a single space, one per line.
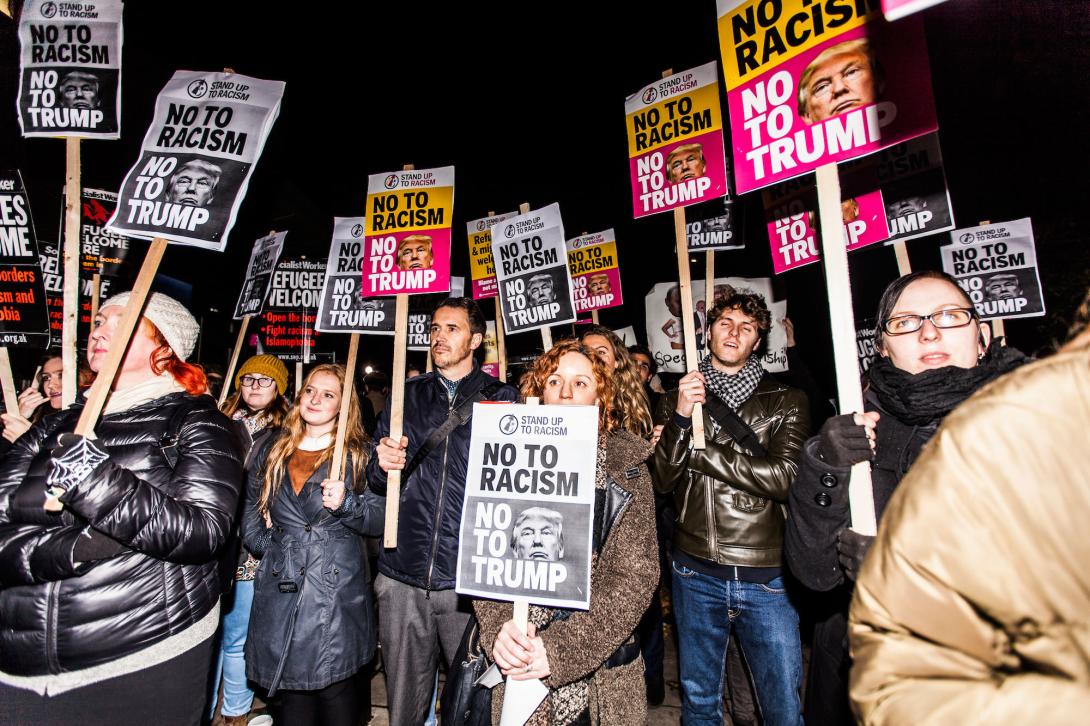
728 539
420 615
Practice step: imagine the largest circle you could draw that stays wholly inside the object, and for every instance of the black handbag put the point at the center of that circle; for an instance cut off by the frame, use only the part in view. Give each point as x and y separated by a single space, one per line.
464 703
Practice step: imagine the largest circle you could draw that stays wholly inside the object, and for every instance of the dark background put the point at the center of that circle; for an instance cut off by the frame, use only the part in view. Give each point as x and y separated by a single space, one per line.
526 101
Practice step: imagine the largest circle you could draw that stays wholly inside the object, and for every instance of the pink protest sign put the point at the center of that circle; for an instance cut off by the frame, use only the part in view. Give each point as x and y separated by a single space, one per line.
595 274
897 9
803 94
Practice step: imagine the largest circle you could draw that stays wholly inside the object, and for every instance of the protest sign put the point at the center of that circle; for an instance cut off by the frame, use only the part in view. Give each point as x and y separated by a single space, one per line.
197 157
481 268
259 272
287 323
663 311
713 226
420 309
809 84
491 362
528 511
897 9
866 344
70 69
342 309
996 265
676 154
49 257
407 244
532 270
102 250
24 316
595 271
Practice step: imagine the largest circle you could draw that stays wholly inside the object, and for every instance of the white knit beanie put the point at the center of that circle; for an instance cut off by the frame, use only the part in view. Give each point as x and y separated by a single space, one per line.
177 325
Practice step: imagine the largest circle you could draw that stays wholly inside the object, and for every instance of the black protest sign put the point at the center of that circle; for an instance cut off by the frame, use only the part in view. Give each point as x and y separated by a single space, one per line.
714 225
342 309
259 272
528 510
102 250
531 260
24 318
70 69
287 323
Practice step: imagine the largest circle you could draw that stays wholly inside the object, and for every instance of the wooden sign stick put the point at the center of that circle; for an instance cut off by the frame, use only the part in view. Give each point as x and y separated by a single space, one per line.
96 293
834 256
903 265
298 377
501 344
230 372
7 382
397 410
336 467
709 288
71 274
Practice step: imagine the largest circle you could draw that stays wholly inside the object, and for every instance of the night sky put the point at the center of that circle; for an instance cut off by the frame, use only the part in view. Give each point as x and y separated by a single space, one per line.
525 100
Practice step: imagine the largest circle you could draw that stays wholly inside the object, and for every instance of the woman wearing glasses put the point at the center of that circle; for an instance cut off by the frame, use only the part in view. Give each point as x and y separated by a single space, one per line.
258 404
934 353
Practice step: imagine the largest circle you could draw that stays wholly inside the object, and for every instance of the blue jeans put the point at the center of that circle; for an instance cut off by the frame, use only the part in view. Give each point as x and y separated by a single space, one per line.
231 662
707 609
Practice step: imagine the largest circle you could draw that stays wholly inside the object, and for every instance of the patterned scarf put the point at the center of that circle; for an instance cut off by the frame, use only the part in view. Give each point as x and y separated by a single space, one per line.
733 389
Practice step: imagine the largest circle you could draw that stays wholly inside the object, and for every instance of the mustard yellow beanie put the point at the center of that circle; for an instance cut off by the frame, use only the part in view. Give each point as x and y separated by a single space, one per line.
265 365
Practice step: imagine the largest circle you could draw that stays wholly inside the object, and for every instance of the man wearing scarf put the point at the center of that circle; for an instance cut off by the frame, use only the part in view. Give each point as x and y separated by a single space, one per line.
728 539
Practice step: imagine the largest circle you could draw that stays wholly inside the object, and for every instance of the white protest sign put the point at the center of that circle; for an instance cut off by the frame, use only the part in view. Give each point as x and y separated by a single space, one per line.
531 262
259 271
528 512
70 63
996 264
420 309
197 157
342 308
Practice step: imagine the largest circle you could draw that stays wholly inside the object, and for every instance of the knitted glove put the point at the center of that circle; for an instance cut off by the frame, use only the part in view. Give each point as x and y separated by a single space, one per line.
842 442
851 550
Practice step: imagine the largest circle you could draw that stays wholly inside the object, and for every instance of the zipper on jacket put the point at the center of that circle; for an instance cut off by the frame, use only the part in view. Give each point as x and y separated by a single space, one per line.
51 628
438 510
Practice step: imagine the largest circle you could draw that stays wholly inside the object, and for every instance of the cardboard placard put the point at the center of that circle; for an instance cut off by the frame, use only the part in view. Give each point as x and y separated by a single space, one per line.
996 264
714 226
259 272
24 316
481 268
342 309
287 323
595 271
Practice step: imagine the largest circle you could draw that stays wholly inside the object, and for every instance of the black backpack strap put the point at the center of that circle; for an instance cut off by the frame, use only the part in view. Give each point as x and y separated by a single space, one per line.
458 416
733 423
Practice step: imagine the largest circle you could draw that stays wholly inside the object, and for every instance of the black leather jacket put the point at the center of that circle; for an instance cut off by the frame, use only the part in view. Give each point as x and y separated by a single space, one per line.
430 514
57 614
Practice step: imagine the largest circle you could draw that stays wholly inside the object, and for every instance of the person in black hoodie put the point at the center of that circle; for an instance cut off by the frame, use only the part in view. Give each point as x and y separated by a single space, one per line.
935 353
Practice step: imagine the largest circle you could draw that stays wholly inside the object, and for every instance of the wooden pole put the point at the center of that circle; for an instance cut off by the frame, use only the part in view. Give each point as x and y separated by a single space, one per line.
687 308
336 467
96 293
7 382
71 274
234 359
834 255
298 377
427 361
709 288
501 345
397 410
594 317
903 265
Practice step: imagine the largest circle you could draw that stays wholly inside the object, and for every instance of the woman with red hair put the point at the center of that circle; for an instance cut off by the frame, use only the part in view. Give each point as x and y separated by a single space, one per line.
590 660
109 583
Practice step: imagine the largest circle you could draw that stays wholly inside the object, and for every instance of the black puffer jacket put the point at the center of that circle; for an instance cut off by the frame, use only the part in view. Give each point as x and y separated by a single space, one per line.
430 514
59 615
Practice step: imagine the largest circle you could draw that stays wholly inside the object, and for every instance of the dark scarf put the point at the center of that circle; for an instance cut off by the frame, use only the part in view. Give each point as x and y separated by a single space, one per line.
733 389
921 398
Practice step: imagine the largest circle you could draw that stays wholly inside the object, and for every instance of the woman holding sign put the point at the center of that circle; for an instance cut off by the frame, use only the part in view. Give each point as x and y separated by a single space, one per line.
934 353
110 605
312 623
590 660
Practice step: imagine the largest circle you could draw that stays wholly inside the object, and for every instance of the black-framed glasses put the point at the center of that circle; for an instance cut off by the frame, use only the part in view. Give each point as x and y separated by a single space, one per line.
256 382
948 318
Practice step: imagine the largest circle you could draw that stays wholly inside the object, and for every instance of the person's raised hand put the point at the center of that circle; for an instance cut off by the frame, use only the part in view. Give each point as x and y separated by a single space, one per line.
391 454
690 391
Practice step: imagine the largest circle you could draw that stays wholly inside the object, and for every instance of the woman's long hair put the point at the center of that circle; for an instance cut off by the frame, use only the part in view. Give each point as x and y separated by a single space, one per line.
633 406
273 414
534 379
294 427
189 375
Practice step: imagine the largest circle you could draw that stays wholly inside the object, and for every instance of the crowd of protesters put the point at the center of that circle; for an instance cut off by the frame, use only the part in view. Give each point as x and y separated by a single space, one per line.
186 556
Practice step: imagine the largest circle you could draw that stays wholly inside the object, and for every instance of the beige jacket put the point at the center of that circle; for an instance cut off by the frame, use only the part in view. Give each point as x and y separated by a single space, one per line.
974 604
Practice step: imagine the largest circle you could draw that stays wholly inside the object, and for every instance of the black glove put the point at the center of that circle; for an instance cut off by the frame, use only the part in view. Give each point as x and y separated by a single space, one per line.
851 550
93 545
74 458
843 442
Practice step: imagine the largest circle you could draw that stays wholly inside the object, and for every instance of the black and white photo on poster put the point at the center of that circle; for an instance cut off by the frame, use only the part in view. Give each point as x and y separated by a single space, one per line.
24 316
996 264
70 69
714 225
528 511
530 255
196 158
341 308
259 272
421 308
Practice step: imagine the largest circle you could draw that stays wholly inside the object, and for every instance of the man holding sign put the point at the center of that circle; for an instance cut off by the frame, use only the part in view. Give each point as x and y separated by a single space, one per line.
728 541
419 612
